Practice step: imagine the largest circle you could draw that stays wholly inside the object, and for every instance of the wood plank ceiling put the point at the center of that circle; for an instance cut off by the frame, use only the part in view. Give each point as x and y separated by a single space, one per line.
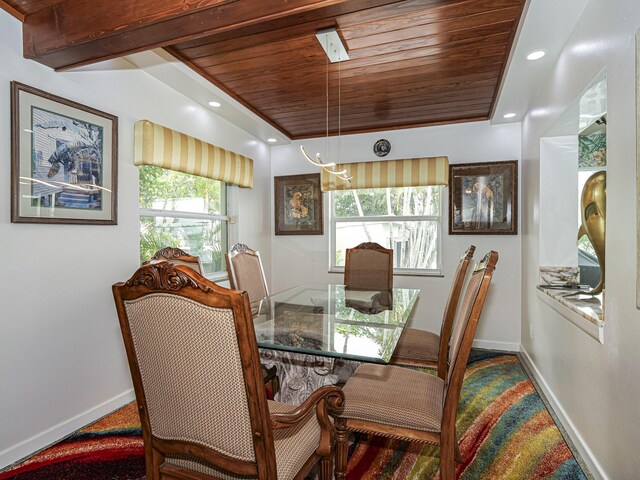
412 63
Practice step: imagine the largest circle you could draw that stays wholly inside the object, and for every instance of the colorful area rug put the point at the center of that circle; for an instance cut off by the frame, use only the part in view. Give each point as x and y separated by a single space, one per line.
505 433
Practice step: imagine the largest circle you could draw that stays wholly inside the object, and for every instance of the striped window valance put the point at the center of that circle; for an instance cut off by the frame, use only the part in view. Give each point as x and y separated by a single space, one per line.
412 172
162 147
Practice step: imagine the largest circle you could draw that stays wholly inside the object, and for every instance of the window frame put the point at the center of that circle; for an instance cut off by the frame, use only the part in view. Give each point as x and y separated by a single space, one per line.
333 220
228 218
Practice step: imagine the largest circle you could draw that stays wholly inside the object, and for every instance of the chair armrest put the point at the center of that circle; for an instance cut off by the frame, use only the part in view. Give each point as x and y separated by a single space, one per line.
325 399
330 397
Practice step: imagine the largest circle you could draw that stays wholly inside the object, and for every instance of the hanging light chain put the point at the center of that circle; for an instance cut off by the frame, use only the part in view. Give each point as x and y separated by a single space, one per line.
318 162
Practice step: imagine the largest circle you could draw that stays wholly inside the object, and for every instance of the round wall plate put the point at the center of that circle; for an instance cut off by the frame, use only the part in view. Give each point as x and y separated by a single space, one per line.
382 147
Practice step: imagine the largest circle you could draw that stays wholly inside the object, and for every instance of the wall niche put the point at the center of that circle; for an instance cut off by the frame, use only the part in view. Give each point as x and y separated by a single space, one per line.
573 162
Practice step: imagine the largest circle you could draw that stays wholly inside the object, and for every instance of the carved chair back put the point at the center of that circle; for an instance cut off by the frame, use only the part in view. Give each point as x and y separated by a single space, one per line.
369 266
194 361
246 273
451 308
177 257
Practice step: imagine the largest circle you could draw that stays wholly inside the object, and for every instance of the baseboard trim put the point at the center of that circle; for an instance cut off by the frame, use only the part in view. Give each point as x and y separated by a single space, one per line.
492 345
42 440
595 469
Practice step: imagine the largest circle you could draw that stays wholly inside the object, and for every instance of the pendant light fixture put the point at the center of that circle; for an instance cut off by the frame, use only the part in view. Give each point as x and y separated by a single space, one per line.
336 53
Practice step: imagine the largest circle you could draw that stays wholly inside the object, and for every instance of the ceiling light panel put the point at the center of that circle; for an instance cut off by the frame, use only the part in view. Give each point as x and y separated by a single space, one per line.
332 45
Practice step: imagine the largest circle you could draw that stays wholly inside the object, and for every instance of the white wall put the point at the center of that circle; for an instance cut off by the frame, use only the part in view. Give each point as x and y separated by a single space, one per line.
62 362
597 387
559 201
303 259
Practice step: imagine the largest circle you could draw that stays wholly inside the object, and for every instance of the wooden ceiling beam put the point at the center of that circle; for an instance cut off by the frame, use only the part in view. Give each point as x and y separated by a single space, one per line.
72 33
12 11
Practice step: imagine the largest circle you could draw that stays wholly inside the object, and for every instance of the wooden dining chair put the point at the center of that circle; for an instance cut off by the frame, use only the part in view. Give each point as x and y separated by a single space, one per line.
369 266
421 348
193 357
177 257
246 272
411 405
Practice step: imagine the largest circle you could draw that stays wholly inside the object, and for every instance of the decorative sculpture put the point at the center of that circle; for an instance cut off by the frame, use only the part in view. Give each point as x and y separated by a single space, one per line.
593 209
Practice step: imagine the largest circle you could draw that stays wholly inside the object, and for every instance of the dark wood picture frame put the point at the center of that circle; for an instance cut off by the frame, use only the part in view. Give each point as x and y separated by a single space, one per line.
298 205
64 160
483 198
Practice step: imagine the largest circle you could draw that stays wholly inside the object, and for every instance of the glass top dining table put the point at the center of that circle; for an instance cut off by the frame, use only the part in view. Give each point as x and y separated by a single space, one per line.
329 320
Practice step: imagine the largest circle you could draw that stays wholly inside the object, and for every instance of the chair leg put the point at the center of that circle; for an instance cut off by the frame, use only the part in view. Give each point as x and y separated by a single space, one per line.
447 463
456 453
342 450
153 460
326 468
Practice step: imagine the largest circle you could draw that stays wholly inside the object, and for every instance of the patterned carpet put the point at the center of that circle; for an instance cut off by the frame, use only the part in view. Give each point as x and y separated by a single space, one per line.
505 433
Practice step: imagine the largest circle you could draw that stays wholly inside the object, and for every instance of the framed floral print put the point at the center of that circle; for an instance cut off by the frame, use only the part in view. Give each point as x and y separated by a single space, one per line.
298 205
483 198
64 160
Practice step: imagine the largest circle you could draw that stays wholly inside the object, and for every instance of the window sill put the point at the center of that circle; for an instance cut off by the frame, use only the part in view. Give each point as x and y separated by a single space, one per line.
218 277
397 273
584 311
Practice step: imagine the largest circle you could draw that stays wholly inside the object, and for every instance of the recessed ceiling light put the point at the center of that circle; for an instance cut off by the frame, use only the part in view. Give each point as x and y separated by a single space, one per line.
215 104
536 55
272 140
509 115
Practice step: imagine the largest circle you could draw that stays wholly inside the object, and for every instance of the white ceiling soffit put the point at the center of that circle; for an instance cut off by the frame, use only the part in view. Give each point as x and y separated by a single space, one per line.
547 26
173 73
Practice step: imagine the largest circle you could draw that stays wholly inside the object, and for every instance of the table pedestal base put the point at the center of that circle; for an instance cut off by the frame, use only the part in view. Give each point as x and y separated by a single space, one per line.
301 374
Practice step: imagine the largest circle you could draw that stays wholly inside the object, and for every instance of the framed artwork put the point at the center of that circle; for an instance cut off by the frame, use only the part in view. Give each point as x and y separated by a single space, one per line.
298 205
483 198
63 160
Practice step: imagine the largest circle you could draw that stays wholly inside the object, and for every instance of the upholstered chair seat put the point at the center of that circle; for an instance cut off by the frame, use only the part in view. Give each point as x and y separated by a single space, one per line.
394 396
417 347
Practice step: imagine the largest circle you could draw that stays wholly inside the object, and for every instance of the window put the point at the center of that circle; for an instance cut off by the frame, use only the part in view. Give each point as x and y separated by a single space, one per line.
406 219
184 211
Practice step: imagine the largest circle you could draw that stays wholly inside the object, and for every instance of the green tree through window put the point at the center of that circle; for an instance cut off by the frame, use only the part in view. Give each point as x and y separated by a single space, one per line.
406 219
184 211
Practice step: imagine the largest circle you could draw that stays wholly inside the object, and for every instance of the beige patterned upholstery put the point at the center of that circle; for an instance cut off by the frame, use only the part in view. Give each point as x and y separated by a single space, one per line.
470 296
293 447
421 348
394 396
412 405
416 344
369 266
246 272
193 356
192 395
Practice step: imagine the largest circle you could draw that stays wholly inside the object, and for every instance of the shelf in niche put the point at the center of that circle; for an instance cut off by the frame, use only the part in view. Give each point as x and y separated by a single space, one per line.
596 126
584 311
